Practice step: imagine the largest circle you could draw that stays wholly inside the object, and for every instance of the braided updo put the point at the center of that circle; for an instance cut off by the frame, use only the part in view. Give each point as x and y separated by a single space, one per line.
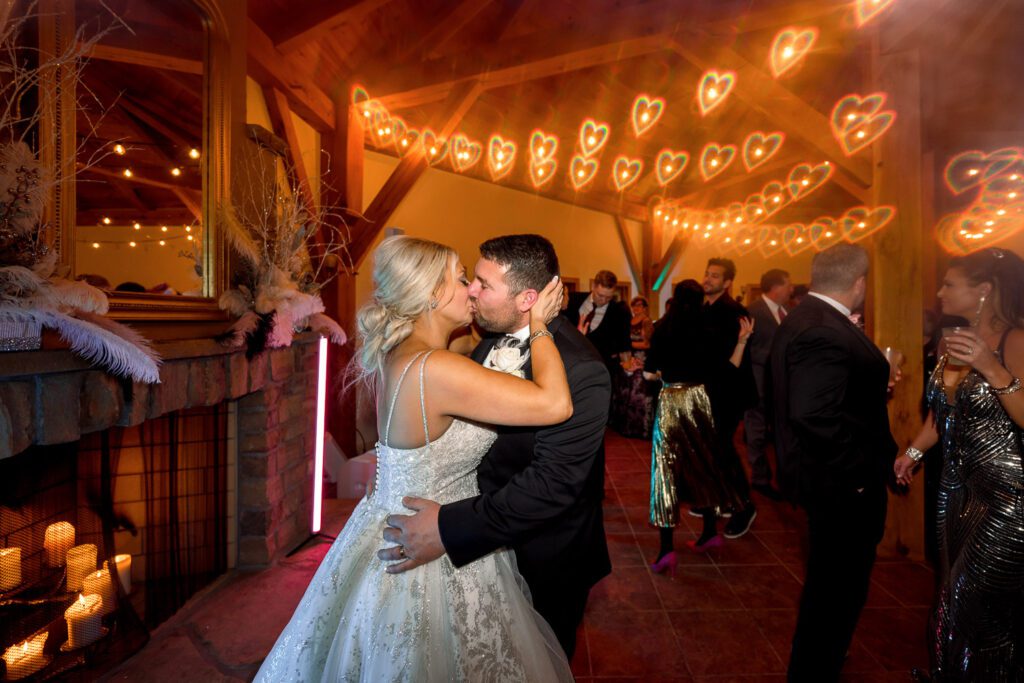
407 273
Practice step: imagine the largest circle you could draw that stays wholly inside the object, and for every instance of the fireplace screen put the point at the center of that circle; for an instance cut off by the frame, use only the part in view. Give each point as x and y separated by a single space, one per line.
107 537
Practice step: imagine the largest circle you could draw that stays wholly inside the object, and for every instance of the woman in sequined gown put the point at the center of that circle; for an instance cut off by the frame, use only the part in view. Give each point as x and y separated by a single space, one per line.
436 622
977 414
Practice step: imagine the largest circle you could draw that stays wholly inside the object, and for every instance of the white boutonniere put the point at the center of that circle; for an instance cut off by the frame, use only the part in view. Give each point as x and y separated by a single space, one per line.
509 360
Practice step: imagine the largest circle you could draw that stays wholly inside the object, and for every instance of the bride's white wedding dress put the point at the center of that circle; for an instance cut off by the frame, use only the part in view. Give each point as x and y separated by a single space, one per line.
432 623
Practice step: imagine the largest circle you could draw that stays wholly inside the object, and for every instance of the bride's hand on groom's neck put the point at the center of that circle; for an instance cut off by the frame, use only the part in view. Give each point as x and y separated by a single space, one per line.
416 537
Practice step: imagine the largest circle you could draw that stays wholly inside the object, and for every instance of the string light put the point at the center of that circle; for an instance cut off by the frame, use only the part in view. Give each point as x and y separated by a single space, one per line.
128 173
188 237
193 153
175 171
137 226
95 245
188 228
162 243
119 149
163 228
131 244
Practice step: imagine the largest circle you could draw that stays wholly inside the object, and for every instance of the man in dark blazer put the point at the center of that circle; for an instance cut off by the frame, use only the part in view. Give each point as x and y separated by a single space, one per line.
603 320
541 489
768 311
835 450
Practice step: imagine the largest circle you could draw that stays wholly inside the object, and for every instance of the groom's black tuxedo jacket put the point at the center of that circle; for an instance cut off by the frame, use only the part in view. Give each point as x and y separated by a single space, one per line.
542 487
828 393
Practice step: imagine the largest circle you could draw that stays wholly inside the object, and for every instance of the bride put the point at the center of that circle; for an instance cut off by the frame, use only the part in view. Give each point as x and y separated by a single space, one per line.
435 622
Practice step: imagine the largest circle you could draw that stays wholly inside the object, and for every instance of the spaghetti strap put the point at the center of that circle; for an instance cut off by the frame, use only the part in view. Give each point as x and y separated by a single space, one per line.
394 396
423 402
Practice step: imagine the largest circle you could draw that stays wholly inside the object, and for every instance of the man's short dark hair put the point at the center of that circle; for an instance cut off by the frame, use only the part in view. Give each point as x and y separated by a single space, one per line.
605 278
529 260
837 268
773 278
727 264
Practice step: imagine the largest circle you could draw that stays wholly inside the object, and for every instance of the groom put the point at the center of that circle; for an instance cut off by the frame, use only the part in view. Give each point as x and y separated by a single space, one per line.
540 488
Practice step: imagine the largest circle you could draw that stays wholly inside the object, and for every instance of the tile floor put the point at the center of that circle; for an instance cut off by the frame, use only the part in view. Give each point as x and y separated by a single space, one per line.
726 616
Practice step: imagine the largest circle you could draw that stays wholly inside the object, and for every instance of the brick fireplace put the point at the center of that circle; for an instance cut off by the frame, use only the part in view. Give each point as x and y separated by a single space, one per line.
232 439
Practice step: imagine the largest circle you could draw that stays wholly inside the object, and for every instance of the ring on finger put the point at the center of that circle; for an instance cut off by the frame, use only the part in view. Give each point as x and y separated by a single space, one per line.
401 552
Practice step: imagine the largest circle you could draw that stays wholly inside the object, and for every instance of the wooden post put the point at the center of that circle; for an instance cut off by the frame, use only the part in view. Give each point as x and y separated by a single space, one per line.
896 279
342 191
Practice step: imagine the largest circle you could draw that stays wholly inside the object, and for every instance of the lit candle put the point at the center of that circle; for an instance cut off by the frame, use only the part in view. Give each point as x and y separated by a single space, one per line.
100 583
81 563
59 539
83 619
123 564
10 568
26 658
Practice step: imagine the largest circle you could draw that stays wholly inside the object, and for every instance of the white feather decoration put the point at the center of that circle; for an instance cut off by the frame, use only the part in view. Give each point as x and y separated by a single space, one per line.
235 302
243 327
326 326
80 296
18 283
95 344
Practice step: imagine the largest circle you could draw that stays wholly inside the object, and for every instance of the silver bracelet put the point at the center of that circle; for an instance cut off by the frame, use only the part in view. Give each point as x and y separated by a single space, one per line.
540 333
1010 388
914 454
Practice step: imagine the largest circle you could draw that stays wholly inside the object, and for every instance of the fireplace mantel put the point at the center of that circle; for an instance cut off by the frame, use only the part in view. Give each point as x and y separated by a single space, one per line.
50 397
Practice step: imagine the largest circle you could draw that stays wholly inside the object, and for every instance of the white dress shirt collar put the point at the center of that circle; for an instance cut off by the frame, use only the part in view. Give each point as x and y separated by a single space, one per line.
522 334
773 308
831 302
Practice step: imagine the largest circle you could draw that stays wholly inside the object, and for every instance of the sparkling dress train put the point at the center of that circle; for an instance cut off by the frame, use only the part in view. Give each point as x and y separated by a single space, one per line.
978 624
432 623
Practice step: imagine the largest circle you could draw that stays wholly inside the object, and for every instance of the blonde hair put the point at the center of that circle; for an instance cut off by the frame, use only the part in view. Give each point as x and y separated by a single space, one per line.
407 274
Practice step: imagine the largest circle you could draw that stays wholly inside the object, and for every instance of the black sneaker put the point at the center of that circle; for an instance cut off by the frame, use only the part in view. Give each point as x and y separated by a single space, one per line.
768 491
740 522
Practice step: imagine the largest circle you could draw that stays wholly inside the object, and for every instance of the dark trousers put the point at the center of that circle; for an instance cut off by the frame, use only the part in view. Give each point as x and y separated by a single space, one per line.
845 529
755 430
731 466
562 607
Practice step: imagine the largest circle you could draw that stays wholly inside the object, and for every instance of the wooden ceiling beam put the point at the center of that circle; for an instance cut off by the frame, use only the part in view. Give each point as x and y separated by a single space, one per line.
138 180
511 12
558 64
405 175
668 260
168 130
636 269
271 69
796 117
154 60
281 119
316 22
445 28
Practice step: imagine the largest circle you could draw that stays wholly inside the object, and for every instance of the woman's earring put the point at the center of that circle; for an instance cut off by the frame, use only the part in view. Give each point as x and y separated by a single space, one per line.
977 315
433 304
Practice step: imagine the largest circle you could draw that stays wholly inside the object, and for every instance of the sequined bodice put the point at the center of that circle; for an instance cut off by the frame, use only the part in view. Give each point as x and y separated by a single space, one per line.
443 470
978 437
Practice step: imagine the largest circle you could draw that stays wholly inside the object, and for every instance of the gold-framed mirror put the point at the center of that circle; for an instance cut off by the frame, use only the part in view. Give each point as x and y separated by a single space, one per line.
142 148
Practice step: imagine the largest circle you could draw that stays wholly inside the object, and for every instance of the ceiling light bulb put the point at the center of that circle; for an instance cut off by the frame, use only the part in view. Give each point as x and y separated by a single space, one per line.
162 243
787 52
760 211
773 243
861 134
387 131
131 244
95 245
851 117
746 241
862 224
591 140
405 142
127 173
776 199
805 181
193 153
175 171
828 234
119 149
1001 212
580 174
188 237
625 174
137 226
433 151
500 155
106 220
540 172
188 228
758 152
163 228
714 162
713 93
645 117
973 171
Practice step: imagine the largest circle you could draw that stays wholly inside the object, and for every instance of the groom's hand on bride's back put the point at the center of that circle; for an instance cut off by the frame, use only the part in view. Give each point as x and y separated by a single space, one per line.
416 537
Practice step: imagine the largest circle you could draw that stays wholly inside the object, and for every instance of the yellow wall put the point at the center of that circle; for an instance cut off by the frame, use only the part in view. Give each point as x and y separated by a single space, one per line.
147 263
463 212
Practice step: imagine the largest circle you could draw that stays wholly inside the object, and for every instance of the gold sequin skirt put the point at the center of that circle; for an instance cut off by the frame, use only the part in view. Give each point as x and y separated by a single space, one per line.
685 456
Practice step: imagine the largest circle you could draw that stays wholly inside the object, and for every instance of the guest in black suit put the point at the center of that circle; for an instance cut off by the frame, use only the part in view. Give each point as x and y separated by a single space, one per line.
730 389
835 451
541 488
767 312
603 320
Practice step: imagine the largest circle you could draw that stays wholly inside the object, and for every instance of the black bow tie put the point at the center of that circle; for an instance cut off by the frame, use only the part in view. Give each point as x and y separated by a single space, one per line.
510 341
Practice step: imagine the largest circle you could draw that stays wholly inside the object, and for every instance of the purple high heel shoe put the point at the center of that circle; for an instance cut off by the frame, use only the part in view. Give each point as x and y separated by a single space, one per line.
715 541
667 563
